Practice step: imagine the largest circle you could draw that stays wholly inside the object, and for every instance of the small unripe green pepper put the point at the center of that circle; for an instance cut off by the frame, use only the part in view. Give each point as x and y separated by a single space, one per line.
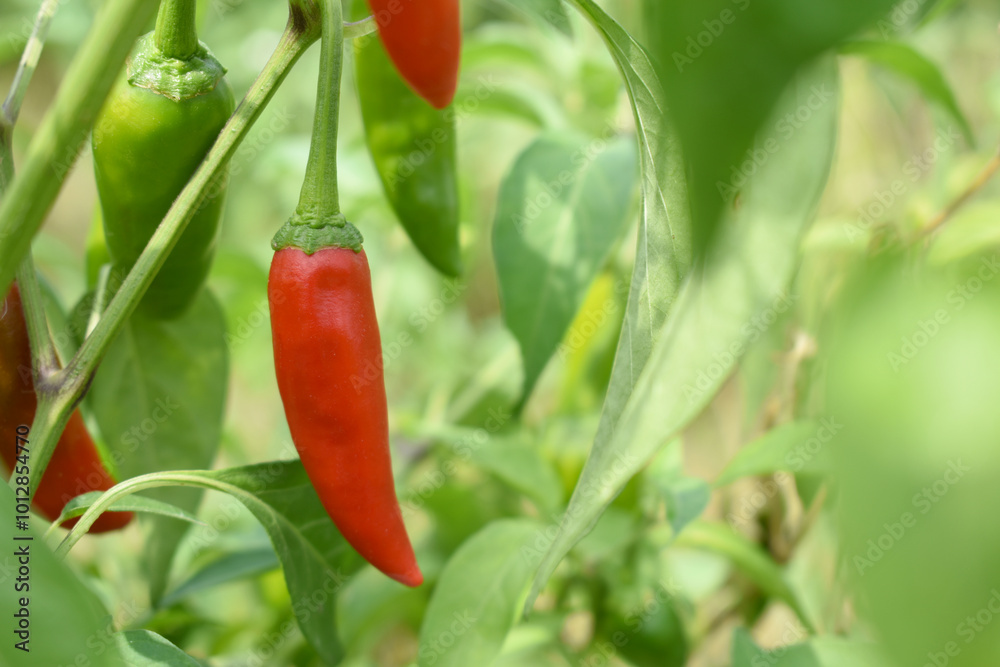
155 129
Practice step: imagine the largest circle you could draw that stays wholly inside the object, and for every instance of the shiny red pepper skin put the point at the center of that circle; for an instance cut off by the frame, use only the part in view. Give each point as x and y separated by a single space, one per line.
328 359
75 466
424 41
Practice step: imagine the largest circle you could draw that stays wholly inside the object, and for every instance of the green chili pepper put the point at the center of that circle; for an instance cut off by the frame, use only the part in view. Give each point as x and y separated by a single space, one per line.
155 129
413 146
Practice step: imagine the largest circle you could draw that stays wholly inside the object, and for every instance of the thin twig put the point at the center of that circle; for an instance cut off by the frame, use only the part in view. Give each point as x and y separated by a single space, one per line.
29 61
977 184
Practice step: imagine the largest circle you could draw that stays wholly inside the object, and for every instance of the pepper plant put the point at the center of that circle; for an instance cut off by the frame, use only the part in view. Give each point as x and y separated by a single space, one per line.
499 332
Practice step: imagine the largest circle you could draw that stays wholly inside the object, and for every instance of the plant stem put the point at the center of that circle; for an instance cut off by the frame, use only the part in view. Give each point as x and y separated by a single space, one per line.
11 108
65 127
319 198
360 28
43 353
195 478
747 557
984 176
176 35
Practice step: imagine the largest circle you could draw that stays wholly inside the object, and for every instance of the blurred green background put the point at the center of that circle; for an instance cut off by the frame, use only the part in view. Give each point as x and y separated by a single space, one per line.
449 360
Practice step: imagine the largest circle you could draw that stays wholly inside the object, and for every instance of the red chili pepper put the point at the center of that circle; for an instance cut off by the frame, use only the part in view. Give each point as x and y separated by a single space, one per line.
424 40
75 466
328 358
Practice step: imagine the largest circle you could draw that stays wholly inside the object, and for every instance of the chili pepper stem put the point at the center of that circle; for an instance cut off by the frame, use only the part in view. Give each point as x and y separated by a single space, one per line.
320 186
176 36
317 222
43 353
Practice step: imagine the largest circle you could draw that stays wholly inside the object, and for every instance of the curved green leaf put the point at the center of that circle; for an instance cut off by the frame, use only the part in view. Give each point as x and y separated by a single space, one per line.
795 447
562 209
77 506
663 249
719 310
478 595
725 65
909 63
231 567
315 558
747 557
143 648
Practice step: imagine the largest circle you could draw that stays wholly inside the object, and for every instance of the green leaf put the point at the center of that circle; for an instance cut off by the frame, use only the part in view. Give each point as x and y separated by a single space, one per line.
66 619
143 648
909 63
562 208
795 447
521 466
371 601
315 558
820 652
550 11
686 497
725 65
746 556
135 503
413 147
478 595
719 312
159 397
520 101
229 568
663 252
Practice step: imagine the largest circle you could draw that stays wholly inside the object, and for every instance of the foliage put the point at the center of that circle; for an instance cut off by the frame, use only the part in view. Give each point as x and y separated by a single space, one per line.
720 351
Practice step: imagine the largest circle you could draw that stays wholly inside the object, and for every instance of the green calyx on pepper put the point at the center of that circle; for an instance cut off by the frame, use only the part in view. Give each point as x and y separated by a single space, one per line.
310 231
154 130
